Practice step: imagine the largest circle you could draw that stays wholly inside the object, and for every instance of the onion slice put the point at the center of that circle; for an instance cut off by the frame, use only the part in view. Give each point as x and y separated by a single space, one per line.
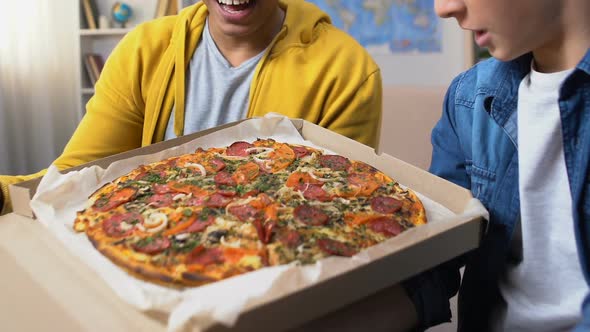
200 167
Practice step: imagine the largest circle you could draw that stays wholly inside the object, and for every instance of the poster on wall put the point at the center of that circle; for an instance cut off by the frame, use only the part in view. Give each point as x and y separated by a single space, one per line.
406 38
386 27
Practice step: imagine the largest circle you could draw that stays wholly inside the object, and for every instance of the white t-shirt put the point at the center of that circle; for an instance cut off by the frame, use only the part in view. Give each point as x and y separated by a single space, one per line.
545 291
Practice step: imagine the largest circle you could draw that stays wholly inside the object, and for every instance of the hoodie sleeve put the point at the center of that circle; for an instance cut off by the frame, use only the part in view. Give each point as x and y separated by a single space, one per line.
356 112
114 115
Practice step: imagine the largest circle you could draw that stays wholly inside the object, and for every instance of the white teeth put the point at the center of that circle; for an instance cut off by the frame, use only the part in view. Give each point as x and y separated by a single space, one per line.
233 2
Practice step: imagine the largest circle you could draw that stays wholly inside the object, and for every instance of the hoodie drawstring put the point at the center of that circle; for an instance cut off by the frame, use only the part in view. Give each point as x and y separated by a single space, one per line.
180 74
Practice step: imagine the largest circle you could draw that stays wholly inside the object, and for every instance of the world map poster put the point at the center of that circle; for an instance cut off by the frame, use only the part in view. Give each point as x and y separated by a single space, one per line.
388 26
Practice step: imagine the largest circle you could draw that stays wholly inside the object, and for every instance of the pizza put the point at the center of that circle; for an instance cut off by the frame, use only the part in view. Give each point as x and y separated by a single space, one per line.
220 212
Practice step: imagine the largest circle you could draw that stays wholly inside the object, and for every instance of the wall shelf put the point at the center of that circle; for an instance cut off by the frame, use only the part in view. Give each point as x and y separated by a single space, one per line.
103 32
101 42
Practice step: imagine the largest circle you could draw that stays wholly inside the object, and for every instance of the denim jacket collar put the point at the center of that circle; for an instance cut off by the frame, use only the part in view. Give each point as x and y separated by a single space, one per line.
501 98
584 65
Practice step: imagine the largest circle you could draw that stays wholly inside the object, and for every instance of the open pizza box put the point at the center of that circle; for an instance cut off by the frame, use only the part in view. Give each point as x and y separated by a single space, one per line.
274 300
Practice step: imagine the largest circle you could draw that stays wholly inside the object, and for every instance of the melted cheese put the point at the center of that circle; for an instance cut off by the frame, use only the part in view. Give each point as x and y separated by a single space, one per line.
222 223
252 261
137 256
234 244
331 234
248 230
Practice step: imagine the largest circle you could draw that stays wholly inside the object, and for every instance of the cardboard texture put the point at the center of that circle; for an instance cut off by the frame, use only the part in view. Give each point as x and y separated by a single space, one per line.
444 241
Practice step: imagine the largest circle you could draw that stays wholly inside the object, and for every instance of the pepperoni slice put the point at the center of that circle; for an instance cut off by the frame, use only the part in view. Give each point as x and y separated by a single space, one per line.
217 164
224 178
199 225
238 149
290 238
386 205
152 246
387 226
245 212
269 227
313 191
159 200
264 257
264 231
310 215
259 230
203 256
195 201
227 193
140 176
334 162
162 189
334 247
116 198
300 151
218 200
112 226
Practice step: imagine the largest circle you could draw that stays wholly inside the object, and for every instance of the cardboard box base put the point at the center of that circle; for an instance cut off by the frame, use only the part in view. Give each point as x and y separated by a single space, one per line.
97 303
331 295
41 279
46 288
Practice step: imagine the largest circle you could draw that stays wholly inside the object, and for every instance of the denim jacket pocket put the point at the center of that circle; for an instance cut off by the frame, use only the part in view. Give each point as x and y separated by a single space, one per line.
481 179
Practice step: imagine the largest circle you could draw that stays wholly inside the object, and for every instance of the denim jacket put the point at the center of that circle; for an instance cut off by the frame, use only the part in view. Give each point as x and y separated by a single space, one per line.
475 146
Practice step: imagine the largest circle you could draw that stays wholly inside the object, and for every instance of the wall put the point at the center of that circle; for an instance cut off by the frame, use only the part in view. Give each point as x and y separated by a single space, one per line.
409 114
429 69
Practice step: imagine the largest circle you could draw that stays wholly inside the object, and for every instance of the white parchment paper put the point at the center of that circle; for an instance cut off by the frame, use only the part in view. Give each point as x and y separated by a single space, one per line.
59 196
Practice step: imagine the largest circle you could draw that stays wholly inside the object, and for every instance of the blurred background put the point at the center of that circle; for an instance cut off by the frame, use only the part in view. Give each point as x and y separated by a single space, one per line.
52 52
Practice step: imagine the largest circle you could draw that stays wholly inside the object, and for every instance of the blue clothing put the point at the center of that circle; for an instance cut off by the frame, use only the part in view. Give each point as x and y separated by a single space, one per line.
475 146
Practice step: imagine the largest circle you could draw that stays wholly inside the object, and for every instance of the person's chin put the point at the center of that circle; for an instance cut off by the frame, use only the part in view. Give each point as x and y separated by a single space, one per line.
504 54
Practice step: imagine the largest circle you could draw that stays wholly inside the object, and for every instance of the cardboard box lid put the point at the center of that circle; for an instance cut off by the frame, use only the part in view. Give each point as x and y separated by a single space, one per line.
446 242
440 190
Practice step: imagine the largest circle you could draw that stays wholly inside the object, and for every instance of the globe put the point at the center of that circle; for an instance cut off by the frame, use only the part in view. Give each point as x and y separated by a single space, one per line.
121 13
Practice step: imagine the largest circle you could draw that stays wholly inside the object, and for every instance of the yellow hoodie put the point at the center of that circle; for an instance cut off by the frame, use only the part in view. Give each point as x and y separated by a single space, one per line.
312 71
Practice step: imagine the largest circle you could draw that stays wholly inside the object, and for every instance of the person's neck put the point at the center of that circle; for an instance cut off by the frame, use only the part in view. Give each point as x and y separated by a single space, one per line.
570 44
237 49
